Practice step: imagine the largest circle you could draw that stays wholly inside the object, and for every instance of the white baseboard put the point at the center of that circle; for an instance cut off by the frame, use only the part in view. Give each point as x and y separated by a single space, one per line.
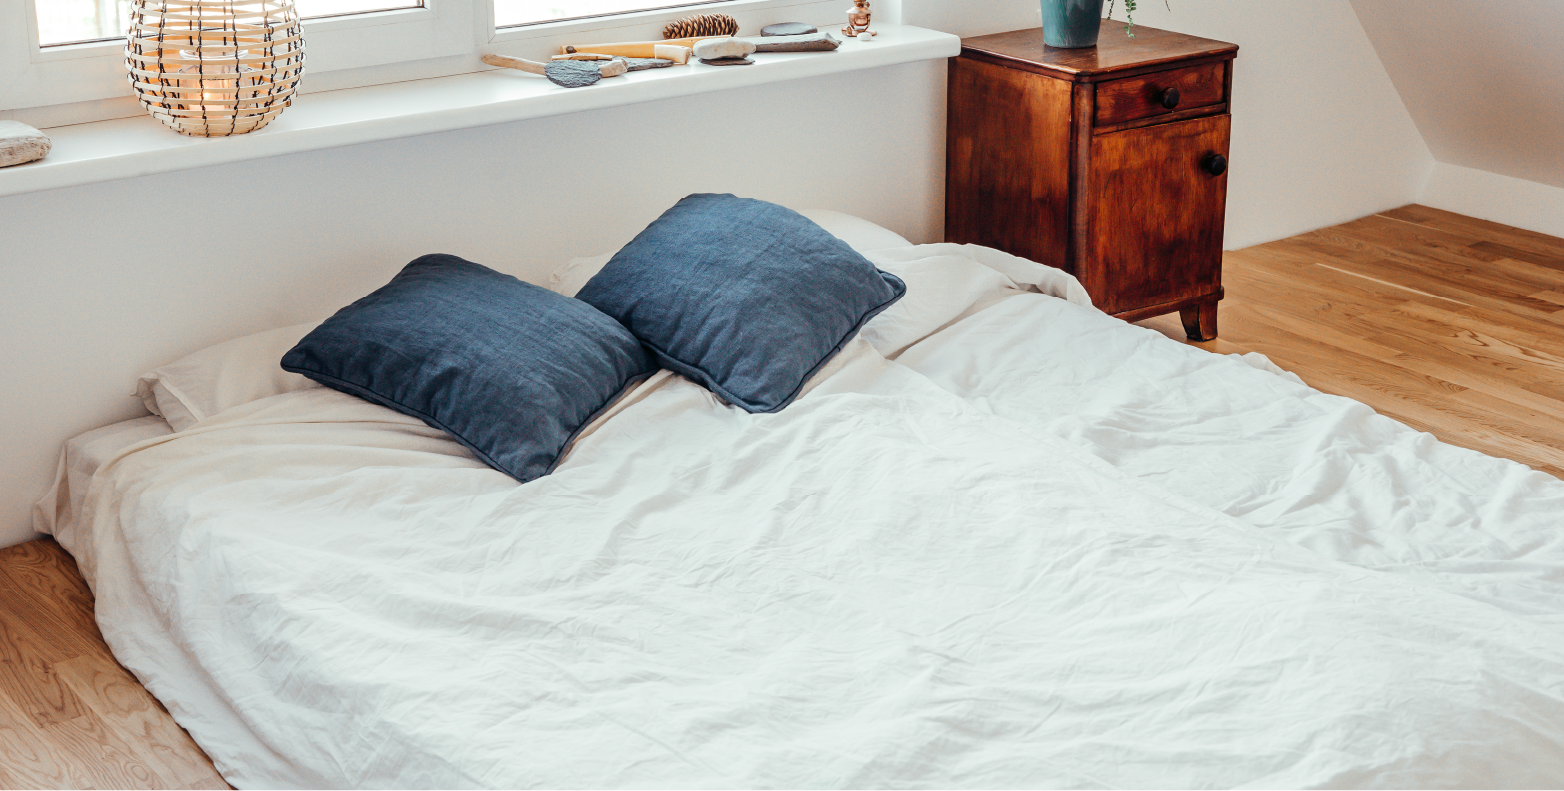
1501 199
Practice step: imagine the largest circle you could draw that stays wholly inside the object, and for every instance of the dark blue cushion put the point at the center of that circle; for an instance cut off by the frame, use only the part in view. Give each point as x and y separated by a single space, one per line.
508 369
746 297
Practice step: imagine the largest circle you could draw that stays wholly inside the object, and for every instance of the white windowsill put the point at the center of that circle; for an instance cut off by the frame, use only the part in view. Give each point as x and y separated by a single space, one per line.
129 147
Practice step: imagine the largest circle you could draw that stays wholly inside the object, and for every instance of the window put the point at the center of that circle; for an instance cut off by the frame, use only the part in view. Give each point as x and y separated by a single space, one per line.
62 61
76 21
70 52
64 22
320 9
508 13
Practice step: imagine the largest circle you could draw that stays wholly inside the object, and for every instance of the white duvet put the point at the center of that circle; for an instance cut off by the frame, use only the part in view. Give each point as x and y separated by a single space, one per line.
1003 541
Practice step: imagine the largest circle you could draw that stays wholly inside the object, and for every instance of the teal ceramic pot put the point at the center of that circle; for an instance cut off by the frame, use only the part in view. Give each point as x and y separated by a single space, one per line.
1071 24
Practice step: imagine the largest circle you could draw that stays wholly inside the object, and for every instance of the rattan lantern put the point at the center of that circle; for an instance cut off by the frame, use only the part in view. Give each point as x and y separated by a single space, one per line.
211 68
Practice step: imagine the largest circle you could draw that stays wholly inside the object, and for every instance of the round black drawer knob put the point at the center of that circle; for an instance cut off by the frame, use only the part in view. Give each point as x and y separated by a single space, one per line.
1169 98
1216 164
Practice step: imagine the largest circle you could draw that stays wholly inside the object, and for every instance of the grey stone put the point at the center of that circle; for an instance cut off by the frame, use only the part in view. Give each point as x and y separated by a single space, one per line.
727 61
788 29
637 64
21 143
574 73
813 42
714 48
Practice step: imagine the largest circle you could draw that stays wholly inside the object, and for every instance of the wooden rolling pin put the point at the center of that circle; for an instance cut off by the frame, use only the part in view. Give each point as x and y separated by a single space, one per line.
633 49
673 52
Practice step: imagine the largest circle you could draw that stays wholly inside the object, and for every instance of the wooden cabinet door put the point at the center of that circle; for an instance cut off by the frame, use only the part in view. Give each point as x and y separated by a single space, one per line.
1155 214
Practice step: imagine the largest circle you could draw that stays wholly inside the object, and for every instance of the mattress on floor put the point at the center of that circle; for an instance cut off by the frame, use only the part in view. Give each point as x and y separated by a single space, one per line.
1004 541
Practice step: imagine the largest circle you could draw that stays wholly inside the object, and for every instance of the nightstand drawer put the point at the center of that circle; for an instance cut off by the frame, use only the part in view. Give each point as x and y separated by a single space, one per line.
1160 93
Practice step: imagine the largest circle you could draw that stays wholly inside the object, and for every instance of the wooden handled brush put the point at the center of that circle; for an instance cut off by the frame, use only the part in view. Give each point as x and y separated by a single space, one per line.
565 73
633 49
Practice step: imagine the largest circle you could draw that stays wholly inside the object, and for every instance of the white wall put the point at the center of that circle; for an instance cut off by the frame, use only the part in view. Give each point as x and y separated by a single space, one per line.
1320 135
99 285
1500 199
1485 83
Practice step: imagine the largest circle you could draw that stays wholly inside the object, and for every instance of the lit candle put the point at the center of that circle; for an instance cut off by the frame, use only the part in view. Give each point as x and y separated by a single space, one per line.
221 80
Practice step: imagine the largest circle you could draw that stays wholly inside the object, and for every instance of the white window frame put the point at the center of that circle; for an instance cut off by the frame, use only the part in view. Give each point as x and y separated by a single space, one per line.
445 37
648 25
35 76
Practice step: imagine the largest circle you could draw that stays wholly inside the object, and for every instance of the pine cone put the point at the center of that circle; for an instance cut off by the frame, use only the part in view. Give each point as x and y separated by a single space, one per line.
702 25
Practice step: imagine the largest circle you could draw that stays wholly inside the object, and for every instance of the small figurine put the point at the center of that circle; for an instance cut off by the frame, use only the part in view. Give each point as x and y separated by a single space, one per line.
858 20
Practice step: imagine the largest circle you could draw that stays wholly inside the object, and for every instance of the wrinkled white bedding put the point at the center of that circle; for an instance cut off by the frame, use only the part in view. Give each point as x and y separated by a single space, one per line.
1321 471
1039 547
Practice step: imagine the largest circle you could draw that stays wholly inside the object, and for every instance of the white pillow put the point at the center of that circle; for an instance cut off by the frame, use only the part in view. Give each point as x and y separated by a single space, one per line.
198 386
859 234
940 289
570 278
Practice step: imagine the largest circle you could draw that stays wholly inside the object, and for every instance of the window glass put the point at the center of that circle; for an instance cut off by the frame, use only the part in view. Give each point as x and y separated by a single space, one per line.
314 9
71 21
77 21
525 12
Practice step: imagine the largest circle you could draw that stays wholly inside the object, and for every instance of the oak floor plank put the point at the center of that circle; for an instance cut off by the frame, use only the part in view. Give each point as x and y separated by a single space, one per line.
1495 378
1399 240
1312 288
136 717
70 715
1467 283
1317 329
44 570
1540 340
1480 230
107 758
60 630
29 758
1419 323
27 666
204 784
1340 365
1555 262
1392 241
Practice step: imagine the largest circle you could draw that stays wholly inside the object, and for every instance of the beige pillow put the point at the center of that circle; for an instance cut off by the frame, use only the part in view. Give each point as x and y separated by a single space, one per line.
200 385
858 233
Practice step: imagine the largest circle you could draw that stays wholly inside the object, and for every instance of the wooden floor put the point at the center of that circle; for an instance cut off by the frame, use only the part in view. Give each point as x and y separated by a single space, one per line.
1452 325
70 716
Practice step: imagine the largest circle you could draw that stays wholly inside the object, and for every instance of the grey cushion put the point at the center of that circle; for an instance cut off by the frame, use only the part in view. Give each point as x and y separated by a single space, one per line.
745 297
510 370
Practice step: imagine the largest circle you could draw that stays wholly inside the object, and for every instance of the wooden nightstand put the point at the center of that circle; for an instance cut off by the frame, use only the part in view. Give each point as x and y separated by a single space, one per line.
1109 163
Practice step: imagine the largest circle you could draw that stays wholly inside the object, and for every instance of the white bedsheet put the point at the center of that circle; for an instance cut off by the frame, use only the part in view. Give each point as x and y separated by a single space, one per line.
1321 471
972 566
55 513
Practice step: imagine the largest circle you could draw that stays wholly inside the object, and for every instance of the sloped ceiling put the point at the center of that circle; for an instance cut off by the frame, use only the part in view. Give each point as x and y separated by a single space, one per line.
1483 80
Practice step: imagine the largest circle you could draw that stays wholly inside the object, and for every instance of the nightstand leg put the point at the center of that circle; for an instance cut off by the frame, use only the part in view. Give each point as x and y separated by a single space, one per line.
1199 321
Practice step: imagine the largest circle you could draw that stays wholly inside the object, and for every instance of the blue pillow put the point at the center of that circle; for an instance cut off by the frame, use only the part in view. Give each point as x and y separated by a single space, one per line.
508 369
746 297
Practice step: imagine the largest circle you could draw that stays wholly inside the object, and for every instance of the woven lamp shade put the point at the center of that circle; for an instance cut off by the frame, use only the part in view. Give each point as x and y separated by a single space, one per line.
211 68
